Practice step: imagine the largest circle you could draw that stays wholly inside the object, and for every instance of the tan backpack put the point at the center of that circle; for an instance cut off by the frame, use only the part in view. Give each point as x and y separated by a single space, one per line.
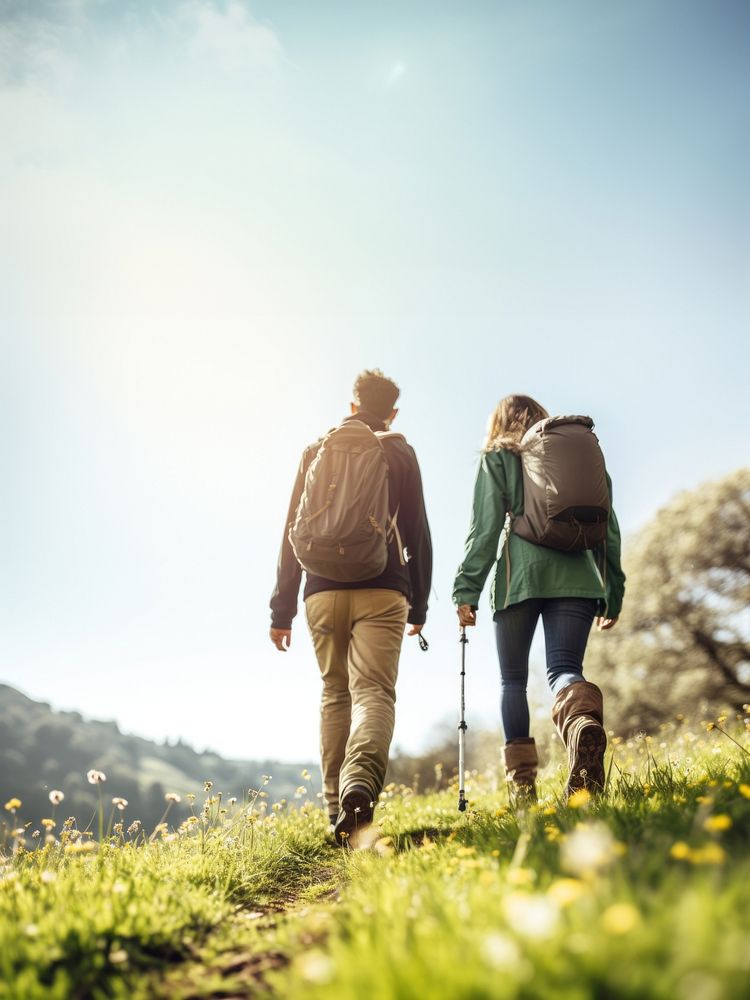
565 495
342 526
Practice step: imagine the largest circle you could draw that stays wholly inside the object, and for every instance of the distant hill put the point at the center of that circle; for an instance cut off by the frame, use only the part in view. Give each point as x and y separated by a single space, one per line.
41 750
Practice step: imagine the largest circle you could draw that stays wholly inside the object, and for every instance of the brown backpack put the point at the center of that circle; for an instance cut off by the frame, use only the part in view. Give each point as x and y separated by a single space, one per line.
565 494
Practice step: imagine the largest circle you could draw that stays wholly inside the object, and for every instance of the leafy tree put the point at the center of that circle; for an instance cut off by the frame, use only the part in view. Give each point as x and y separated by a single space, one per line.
683 640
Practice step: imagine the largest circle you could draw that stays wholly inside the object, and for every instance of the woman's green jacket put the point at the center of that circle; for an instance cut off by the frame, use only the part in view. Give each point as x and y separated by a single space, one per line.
523 569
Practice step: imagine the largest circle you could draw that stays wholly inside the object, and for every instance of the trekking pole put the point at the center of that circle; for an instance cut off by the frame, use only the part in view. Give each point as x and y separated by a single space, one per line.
462 727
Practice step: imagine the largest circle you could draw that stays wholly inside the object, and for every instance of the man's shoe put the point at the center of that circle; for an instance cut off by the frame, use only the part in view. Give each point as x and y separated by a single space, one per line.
356 813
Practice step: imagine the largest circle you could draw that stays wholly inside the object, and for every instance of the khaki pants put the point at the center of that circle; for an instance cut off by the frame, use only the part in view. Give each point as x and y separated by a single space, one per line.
357 635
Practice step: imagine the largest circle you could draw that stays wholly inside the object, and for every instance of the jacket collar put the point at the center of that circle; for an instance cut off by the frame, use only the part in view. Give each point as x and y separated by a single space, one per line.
373 422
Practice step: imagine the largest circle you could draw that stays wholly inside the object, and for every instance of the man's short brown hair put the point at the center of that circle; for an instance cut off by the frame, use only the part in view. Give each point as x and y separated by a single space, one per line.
376 393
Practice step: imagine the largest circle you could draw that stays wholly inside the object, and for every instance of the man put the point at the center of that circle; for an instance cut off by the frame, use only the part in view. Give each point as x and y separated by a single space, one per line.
357 627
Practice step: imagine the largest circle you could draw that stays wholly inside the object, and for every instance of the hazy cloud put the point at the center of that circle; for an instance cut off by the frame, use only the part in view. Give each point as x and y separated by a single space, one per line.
231 35
35 46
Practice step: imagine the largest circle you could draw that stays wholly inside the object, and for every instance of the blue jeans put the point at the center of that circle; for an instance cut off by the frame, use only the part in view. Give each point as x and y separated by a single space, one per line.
567 622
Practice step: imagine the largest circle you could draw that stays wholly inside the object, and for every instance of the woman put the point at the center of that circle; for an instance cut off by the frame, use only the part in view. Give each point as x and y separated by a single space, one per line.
567 589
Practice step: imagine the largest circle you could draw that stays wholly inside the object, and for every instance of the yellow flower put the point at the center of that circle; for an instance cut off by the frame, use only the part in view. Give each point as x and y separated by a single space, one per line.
621 918
680 851
566 891
711 854
49 824
85 847
521 876
717 824
12 804
745 790
579 799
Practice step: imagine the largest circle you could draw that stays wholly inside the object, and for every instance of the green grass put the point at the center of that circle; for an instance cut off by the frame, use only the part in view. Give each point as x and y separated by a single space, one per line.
644 893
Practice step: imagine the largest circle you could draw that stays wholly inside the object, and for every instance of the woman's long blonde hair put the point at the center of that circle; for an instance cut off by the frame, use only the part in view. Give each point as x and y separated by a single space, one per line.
510 420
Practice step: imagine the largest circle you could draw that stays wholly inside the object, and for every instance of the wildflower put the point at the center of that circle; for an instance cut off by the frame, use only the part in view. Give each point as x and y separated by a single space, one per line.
36 834
18 832
12 805
579 799
566 891
191 797
305 774
521 876
134 827
49 824
267 778
587 849
384 847
316 967
718 823
711 854
300 792
119 803
86 847
745 790
534 916
232 800
172 797
500 951
56 797
95 777
620 918
207 786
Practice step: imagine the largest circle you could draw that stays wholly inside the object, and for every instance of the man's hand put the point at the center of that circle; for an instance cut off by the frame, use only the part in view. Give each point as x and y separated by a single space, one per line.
415 630
281 638
466 615
603 624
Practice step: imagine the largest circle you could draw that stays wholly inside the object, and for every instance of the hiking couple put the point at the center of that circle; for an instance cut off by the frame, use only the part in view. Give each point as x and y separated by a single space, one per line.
357 525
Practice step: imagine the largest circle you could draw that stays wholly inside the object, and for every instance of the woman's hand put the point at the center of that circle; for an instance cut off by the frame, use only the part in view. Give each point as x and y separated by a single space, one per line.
603 624
466 615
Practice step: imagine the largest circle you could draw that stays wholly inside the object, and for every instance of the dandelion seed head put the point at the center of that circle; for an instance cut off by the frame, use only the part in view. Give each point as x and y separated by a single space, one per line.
589 848
56 797
500 951
95 777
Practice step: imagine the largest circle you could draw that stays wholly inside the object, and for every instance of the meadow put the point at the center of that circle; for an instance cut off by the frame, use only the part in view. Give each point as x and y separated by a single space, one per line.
644 892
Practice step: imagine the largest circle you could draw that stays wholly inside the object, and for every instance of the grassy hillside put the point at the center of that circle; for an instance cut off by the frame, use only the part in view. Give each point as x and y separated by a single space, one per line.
645 893
42 750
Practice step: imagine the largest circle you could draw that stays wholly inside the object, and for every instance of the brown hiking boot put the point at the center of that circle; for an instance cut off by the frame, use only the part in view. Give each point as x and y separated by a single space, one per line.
578 716
521 764
357 808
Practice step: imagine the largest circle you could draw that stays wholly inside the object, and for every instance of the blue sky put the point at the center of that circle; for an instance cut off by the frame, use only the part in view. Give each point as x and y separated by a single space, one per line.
215 213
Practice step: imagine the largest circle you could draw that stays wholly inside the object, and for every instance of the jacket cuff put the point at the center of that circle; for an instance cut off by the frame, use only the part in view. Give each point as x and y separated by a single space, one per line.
280 621
417 616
